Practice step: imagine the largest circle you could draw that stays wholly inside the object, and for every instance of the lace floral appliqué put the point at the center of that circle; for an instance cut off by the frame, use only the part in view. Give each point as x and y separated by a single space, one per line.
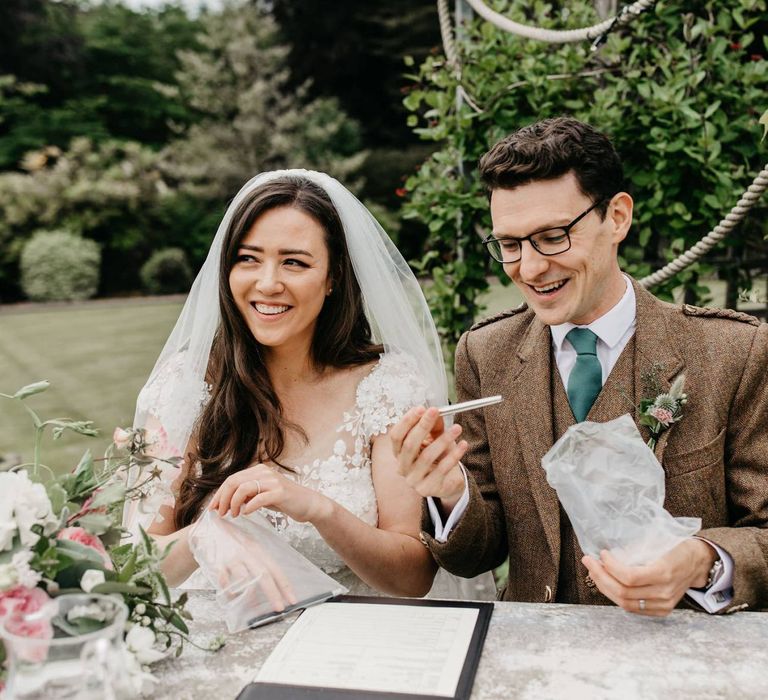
382 397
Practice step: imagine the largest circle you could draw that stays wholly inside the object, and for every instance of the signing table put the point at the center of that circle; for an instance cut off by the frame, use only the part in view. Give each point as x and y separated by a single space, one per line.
533 651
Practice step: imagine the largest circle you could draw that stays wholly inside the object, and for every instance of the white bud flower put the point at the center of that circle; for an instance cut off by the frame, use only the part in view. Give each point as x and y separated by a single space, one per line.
90 579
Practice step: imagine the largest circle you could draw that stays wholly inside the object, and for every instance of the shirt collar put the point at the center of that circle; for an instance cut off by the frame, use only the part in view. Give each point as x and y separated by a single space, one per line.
610 327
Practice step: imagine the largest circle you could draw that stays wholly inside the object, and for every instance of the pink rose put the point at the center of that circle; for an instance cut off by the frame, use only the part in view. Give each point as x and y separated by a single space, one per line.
36 633
122 438
23 601
81 536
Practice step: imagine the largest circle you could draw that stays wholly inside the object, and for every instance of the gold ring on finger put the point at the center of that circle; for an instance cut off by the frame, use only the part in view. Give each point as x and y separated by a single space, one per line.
258 487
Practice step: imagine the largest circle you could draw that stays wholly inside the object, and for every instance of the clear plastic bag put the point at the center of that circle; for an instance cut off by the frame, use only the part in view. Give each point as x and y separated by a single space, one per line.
612 487
257 575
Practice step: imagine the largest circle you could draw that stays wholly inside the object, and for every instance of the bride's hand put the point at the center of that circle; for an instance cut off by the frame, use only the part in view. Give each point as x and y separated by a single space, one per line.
240 565
262 487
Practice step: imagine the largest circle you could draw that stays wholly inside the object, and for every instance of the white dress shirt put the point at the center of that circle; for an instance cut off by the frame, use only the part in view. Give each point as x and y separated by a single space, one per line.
614 329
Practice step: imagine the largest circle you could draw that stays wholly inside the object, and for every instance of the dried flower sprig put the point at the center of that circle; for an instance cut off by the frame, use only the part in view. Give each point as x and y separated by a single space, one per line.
659 413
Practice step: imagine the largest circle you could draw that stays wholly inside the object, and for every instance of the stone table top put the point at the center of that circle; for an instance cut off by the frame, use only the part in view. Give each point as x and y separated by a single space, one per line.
532 651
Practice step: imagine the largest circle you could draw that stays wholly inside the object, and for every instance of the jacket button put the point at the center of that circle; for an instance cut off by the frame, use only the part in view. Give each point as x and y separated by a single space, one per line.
590 583
547 594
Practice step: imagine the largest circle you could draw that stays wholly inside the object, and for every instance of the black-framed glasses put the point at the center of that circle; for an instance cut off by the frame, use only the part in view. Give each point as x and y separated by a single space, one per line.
551 241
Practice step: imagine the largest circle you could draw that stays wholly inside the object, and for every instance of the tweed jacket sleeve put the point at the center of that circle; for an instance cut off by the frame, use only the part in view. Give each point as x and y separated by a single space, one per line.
478 542
746 478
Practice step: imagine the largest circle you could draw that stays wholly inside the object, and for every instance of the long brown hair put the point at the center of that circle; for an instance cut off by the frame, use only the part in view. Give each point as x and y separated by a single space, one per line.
244 412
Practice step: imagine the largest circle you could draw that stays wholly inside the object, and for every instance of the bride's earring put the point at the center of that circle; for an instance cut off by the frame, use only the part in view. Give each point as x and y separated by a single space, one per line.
329 292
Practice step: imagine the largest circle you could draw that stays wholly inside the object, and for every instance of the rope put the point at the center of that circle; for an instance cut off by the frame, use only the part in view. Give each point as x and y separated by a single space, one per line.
747 201
446 34
556 36
597 32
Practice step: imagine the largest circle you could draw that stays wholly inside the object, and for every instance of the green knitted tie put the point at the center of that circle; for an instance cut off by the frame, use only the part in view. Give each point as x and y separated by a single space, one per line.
586 378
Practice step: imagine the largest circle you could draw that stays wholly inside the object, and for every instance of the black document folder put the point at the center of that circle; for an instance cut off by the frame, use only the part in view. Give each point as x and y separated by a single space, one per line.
280 691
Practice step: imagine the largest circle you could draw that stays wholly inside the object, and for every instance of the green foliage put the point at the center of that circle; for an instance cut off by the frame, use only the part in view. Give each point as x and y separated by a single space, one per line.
101 70
58 265
80 533
250 118
133 199
166 272
110 192
679 90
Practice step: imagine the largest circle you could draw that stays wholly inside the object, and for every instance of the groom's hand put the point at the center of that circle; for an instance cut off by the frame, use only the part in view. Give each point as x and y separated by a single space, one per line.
660 584
428 455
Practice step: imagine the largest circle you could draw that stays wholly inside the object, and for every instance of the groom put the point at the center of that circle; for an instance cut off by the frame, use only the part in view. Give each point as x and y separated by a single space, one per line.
559 214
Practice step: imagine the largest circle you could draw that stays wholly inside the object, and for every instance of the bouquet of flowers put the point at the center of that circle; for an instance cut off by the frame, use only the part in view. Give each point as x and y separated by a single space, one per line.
61 534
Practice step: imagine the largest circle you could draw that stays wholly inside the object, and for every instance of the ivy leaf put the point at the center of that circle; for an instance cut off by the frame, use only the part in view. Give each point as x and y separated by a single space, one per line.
764 121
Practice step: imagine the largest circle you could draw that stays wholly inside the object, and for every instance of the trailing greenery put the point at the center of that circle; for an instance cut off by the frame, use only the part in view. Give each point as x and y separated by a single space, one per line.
680 91
60 266
166 272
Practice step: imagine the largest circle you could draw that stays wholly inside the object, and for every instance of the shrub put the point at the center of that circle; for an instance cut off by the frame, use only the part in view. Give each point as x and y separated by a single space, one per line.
166 272
679 89
59 265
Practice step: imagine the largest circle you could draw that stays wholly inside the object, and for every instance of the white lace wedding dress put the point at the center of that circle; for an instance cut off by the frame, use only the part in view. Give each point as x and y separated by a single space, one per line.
341 469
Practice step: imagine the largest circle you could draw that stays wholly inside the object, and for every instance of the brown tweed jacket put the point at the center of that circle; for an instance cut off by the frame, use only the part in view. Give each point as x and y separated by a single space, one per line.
715 458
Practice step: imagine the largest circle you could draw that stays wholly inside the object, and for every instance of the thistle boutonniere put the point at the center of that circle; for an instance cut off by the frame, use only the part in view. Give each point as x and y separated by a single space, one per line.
667 408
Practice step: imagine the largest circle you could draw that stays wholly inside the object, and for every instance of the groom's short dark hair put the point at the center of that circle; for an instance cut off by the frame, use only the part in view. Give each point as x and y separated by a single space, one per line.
549 149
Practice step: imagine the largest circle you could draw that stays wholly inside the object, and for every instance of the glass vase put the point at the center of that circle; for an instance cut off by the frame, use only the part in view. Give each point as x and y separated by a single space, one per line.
79 661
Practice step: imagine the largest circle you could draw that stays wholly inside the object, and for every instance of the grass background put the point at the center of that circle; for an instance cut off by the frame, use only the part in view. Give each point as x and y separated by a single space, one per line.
97 356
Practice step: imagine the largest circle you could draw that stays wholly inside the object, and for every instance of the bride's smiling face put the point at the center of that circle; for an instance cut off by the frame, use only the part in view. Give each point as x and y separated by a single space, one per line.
280 278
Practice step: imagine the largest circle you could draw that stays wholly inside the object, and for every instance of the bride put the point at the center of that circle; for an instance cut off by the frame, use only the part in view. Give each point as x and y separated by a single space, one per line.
304 339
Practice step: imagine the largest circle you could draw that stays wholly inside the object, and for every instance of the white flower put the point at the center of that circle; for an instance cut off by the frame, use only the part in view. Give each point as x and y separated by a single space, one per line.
91 612
90 579
23 504
127 675
140 641
25 574
8 576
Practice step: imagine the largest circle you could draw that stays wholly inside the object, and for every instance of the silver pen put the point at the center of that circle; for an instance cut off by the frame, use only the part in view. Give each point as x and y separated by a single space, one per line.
469 405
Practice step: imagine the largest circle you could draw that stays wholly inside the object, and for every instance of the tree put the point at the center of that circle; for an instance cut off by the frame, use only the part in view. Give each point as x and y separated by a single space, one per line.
679 89
250 119
101 71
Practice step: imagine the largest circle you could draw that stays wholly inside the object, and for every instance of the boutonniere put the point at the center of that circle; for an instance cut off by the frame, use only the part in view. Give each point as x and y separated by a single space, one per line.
659 413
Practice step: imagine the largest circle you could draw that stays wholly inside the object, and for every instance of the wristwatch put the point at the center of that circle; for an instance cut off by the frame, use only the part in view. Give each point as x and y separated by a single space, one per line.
714 573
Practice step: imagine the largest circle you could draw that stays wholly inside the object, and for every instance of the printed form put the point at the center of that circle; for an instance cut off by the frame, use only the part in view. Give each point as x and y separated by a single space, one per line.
365 646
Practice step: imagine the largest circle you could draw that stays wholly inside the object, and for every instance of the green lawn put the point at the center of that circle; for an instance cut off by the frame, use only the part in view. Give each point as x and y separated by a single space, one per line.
97 356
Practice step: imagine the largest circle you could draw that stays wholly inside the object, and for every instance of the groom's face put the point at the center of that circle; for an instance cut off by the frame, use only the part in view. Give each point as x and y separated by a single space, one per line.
580 284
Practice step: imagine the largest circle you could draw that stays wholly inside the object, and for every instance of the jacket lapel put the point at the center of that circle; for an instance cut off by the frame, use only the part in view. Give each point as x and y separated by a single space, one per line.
656 356
531 407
